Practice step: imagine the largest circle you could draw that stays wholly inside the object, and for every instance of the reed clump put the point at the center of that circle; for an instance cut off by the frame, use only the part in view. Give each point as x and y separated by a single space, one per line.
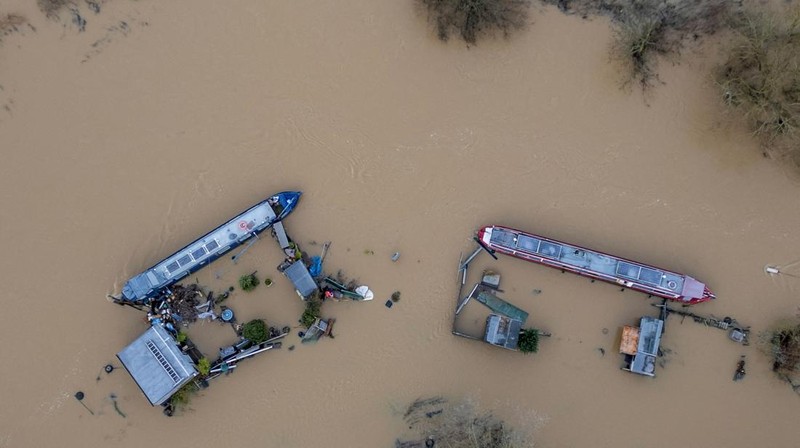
438 422
760 78
473 19
51 8
782 344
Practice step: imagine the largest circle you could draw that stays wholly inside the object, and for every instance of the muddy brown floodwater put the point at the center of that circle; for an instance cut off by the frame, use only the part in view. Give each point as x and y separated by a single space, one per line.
125 142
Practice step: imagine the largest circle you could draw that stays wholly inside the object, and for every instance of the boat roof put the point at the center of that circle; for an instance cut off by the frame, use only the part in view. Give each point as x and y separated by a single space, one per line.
157 365
209 247
587 260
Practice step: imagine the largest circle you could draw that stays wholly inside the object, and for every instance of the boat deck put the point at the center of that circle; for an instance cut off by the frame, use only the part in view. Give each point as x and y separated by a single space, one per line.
211 246
587 261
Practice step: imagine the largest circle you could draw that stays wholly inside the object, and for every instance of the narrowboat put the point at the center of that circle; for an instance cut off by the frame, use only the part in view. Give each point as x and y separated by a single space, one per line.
209 247
596 265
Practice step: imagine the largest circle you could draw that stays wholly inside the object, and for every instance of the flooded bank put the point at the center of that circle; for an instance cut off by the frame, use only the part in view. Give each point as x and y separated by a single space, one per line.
400 143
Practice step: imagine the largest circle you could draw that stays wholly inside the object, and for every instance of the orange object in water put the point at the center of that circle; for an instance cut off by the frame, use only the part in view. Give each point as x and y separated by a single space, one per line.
629 342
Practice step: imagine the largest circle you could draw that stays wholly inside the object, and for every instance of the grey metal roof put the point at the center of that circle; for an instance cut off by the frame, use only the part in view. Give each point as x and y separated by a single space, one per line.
502 331
301 279
157 364
644 362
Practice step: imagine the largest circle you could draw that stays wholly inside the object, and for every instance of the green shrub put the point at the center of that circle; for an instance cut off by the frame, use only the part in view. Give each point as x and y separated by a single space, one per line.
180 399
248 282
182 337
528 341
311 313
255 331
204 366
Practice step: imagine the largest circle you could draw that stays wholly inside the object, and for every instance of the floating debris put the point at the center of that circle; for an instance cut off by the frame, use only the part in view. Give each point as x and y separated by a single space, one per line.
80 396
113 398
395 256
78 20
395 296
93 6
740 372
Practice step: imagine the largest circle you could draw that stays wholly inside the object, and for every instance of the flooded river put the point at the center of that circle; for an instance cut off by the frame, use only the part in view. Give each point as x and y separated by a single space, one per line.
163 119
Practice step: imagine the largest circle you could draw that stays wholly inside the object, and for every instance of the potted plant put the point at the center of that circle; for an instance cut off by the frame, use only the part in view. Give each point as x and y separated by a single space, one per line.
528 341
248 282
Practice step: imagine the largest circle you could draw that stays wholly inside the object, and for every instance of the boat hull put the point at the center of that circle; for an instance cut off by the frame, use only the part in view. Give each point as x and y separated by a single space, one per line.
209 247
593 264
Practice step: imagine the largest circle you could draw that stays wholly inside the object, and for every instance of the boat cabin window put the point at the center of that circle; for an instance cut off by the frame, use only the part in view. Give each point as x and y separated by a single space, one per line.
503 237
527 243
184 260
172 267
651 276
549 249
628 270
212 245
199 253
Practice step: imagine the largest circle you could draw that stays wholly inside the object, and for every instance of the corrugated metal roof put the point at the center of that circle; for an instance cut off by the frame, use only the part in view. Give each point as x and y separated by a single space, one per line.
300 278
157 365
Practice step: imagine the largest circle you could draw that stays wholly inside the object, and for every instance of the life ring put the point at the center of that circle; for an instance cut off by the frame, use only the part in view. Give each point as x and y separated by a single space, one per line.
243 225
671 284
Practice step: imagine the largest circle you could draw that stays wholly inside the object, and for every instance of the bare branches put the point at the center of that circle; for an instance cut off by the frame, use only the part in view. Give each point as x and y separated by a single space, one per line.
761 78
472 19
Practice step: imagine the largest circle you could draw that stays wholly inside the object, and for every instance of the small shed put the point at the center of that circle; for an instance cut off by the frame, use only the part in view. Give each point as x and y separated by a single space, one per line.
502 331
640 345
157 364
303 283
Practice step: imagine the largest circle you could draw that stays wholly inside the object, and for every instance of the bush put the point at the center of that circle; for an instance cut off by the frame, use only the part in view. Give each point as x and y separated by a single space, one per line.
180 399
473 18
782 343
528 341
255 331
645 30
637 43
248 282
761 78
204 366
182 337
312 312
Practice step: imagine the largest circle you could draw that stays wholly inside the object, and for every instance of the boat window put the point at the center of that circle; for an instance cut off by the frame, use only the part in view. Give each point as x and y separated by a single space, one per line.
199 253
550 249
172 267
502 237
527 243
628 270
184 260
651 276
212 245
